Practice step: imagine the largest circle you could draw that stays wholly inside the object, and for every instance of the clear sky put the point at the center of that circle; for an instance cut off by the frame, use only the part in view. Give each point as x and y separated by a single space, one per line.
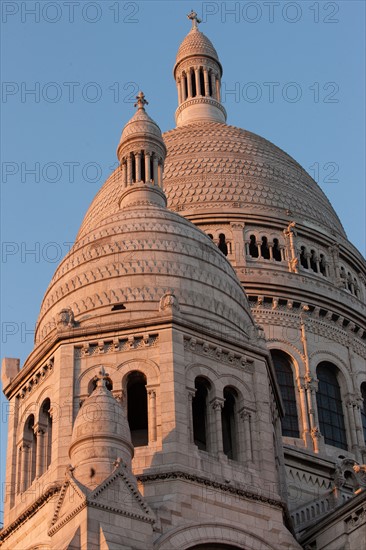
293 73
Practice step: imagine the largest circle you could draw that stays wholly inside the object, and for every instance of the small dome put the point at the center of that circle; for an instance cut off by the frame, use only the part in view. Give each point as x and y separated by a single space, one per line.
140 128
196 43
100 436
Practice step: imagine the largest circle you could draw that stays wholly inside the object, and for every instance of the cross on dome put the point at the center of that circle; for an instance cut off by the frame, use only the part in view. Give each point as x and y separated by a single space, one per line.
102 376
141 101
194 18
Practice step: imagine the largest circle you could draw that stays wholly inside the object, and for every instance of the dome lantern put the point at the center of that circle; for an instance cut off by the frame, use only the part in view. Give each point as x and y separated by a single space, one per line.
198 74
141 150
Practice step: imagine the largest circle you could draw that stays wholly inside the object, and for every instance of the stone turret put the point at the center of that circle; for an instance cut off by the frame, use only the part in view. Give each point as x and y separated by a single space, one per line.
100 436
198 74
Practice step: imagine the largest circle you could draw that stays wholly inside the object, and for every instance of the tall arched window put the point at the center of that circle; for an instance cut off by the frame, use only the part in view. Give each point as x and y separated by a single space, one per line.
45 421
363 409
222 244
253 248
200 413
229 436
285 379
276 250
27 457
303 258
265 249
137 408
329 402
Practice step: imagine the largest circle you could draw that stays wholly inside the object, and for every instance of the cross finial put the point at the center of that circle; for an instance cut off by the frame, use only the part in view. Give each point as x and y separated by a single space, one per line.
141 101
101 378
194 18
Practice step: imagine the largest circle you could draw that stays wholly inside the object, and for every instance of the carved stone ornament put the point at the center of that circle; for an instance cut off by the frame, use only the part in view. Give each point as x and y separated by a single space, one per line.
169 302
65 318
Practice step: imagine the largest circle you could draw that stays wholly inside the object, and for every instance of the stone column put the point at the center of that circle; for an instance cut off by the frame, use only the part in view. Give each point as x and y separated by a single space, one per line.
248 451
213 85
217 406
358 422
151 415
304 411
189 82
179 89
206 81
191 394
351 420
218 95
40 450
155 170
198 81
138 166
24 467
129 169
124 173
160 174
270 248
147 167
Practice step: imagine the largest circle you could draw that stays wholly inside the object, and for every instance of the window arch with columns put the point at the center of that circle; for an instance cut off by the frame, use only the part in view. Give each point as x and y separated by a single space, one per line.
285 377
27 455
330 407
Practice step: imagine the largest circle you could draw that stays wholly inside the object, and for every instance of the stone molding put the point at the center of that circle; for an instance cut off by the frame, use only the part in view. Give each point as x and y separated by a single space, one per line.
116 345
36 379
184 476
217 353
30 511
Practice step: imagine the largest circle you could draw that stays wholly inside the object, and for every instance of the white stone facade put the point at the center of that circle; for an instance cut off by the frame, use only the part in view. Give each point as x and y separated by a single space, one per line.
148 415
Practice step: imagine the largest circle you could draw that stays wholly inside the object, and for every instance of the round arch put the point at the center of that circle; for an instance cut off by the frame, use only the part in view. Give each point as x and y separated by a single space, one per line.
189 537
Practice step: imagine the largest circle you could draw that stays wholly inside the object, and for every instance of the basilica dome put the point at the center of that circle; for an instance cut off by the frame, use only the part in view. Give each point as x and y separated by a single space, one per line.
217 166
134 259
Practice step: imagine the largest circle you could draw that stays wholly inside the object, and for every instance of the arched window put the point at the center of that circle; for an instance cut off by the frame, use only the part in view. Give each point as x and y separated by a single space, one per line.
253 248
45 421
222 244
137 408
313 265
329 402
276 251
210 235
193 80
303 258
202 83
363 409
200 414
285 379
229 436
27 464
264 248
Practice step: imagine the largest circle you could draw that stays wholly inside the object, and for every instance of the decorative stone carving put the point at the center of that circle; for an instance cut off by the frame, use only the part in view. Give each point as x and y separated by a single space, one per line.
65 318
169 302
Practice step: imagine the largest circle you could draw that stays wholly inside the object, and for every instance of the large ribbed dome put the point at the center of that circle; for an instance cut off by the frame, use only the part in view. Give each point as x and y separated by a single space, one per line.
213 165
135 256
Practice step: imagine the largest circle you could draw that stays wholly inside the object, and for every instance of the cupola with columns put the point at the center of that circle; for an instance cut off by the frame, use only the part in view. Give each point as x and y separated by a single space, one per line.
141 150
198 74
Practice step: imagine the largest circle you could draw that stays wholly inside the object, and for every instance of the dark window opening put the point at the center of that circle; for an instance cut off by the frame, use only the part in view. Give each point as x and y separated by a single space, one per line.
276 251
253 248
202 83
133 167
228 424
330 410
143 175
363 409
199 413
46 421
285 379
264 248
118 307
303 259
322 265
210 235
185 86
222 244
313 265
193 80
152 169
137 408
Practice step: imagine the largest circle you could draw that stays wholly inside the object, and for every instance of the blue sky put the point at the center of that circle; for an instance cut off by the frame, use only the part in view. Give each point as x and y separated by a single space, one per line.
293 73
